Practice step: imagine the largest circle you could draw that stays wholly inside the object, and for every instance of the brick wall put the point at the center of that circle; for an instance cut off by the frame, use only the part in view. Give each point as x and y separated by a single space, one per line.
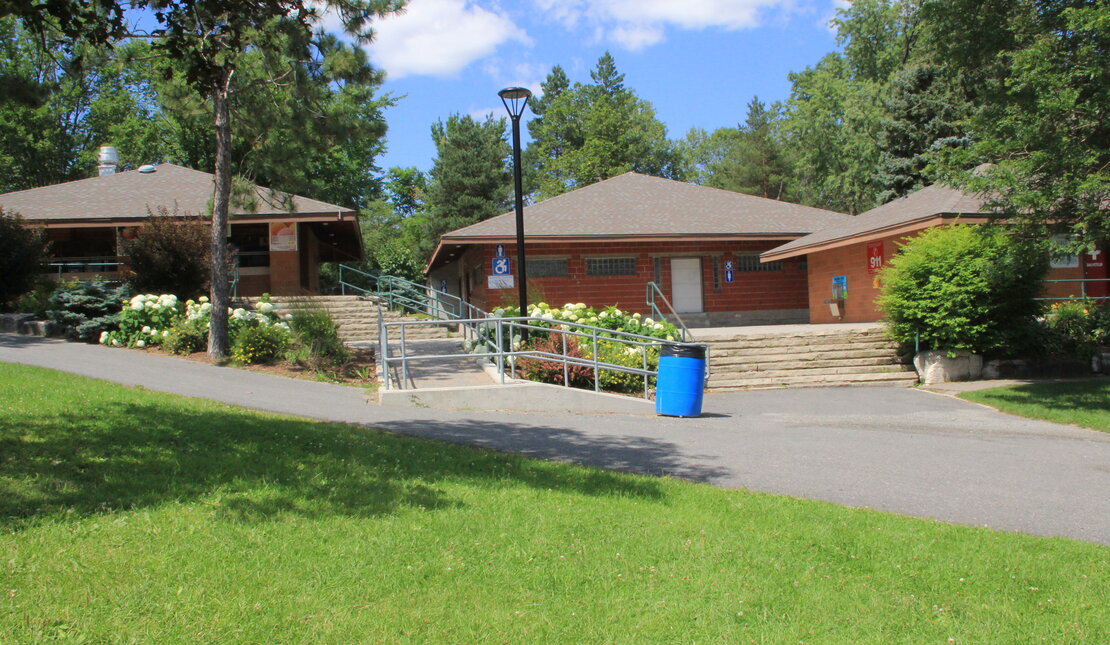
863 287
750 291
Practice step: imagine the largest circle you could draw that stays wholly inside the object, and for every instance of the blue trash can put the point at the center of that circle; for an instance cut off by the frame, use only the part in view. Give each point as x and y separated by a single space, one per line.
681 382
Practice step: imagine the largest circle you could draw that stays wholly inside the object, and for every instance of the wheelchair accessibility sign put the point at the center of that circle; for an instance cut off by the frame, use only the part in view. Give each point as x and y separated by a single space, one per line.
501 266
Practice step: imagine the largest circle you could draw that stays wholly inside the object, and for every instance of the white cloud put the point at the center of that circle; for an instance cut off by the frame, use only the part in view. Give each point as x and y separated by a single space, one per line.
635 24
439 37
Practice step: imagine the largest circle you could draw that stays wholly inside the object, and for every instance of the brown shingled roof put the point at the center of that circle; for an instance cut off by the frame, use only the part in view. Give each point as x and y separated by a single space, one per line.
128 195
919 208
633 205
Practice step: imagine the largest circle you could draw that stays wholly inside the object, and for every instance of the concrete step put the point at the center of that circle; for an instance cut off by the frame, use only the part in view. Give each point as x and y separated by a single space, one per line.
791 340
903 379
747 358
781 366
825 370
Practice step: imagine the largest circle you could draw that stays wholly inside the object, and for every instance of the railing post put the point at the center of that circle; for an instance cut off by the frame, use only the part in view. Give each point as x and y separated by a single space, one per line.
566 369
500 352
643 354
404 360
597 378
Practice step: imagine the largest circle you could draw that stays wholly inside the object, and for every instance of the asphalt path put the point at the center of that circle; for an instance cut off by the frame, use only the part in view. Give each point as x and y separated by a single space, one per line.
901 450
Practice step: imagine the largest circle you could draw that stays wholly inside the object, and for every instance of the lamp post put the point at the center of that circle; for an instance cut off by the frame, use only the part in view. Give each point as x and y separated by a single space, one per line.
515 100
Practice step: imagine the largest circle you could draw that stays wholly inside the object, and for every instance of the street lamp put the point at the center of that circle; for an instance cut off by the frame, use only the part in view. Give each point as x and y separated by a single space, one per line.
515 100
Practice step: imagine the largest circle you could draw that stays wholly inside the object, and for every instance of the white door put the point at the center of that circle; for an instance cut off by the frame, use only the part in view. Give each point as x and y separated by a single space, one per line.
686 285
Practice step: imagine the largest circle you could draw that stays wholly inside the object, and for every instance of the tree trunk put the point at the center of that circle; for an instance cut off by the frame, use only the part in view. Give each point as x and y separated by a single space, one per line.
218 345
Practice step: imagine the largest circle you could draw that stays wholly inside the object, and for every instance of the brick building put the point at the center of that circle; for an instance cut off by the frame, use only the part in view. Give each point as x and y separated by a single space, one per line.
602 244
280 238
848 255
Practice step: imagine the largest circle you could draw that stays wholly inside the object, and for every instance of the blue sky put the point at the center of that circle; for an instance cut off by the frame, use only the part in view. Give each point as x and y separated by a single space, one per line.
698 62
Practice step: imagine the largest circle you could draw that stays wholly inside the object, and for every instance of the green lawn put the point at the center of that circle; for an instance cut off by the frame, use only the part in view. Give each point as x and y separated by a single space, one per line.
132 516
1083 403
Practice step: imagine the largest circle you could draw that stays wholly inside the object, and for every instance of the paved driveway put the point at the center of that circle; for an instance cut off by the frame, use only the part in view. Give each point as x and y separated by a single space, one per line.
902 450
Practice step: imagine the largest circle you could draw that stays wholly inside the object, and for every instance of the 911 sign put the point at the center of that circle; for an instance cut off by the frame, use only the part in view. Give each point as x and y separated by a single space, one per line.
874 256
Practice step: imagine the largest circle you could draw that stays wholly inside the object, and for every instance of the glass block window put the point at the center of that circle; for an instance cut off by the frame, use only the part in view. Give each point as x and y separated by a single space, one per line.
658 270
751 264
547 267
716 262
610 266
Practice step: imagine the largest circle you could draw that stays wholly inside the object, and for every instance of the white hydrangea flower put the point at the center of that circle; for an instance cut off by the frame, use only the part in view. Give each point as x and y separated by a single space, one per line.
103 337
203 299
669 337
265 307
153 332
658 326
165 333
648 321
146 329
617 312
636 316
115 342
140 343
604 314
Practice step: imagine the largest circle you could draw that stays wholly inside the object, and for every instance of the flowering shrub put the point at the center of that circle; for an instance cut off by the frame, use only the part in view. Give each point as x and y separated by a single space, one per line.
187 337
625 356
145 320
260 344
199 311
1078 327
608 318
149 319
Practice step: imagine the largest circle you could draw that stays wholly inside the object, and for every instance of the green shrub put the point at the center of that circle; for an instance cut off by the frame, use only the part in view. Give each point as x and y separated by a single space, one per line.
37 300
170 255
23 252
263 344
964 288
87 309
187 337
316 340
1077 327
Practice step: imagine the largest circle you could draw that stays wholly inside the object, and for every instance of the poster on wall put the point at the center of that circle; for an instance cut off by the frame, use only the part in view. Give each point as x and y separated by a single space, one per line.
874 256
283 236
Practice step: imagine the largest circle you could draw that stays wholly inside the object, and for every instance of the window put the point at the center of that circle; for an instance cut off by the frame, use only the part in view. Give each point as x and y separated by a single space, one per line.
610 266
547 267
251 243
750 264
716 262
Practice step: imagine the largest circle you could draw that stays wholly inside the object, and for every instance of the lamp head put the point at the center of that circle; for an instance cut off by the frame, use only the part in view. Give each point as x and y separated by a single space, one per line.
515 100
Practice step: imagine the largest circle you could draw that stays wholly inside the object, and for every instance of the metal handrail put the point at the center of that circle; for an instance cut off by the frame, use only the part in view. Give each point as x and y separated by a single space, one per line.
505 355
399 293
1082 289
85 263
652 291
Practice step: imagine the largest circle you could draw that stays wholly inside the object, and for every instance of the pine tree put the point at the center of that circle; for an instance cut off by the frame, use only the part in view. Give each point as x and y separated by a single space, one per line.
470 179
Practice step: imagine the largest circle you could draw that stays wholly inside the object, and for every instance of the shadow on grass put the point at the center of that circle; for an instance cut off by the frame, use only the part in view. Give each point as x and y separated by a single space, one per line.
89 450
1087 395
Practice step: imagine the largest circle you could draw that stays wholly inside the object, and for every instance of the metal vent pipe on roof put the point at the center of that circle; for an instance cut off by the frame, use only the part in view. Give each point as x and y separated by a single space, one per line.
109 159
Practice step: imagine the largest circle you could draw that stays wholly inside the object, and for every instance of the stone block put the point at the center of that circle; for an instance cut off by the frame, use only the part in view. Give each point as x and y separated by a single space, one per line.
936 366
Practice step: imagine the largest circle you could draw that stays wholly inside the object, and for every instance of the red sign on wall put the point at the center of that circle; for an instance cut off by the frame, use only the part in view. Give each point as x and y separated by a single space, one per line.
874 256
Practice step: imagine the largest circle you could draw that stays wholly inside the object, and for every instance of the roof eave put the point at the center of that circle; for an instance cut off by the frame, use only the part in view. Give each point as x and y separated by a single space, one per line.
867 236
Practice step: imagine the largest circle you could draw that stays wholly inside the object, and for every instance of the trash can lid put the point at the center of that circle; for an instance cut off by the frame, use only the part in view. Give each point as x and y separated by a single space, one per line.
684 350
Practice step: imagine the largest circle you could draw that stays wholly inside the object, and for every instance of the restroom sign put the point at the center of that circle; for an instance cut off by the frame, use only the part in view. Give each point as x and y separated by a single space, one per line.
499 250
730 275
874 256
